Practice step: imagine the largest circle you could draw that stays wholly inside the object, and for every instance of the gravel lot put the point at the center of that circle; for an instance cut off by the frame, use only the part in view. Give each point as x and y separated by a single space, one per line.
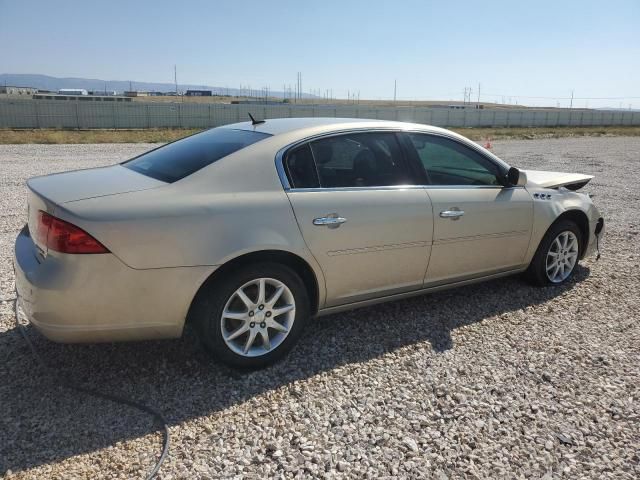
494 380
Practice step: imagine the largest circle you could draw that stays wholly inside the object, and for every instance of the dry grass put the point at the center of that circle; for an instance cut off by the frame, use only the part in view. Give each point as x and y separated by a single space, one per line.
166 135
93 136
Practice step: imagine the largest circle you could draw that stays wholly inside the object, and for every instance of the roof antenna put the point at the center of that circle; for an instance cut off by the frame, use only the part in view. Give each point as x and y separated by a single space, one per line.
254 121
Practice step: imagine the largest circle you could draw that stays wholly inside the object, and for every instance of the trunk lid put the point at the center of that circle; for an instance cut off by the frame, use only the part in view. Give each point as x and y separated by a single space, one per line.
66 187
572 181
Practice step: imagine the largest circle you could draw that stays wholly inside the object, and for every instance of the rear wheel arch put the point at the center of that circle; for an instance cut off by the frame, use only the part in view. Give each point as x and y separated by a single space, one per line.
291 260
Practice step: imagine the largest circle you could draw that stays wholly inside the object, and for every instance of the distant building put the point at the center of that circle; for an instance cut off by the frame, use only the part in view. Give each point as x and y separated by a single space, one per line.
458 106
73 91
257 102
198 93
135 93
103 93
12 90
84 98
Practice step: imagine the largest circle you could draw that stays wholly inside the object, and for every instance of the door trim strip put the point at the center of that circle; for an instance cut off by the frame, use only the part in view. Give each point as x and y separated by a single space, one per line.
514 233
378 248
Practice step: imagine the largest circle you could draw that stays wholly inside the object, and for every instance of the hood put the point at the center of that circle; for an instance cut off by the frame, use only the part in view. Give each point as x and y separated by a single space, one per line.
65 187
572 181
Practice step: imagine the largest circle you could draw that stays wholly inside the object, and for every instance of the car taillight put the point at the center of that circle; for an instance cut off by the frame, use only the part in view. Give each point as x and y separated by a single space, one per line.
64 237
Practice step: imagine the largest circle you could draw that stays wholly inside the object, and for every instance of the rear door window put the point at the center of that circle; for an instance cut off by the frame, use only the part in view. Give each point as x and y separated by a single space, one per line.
301 169
179 159
361 160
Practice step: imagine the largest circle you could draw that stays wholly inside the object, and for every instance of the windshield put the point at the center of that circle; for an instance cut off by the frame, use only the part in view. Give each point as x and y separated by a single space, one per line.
179 159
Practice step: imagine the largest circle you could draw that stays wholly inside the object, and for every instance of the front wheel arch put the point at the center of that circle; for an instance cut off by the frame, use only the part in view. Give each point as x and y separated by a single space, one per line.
581 220
536 272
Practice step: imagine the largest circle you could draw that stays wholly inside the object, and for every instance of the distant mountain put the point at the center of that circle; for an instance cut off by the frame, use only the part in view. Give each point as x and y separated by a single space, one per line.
45 82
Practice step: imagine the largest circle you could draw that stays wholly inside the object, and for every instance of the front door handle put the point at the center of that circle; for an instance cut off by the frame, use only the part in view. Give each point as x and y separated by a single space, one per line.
452 214
333 220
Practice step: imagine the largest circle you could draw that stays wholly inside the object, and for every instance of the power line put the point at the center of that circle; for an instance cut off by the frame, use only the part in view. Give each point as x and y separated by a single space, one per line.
558 98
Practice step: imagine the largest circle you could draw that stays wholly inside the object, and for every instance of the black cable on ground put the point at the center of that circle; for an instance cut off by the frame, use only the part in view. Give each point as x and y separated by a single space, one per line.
95 393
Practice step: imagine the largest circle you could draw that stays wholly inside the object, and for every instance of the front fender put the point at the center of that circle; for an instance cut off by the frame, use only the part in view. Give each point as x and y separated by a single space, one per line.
549 205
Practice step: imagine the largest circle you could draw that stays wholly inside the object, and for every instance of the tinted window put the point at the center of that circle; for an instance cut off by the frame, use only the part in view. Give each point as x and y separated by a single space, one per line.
178 159
360 160
448 162
300 168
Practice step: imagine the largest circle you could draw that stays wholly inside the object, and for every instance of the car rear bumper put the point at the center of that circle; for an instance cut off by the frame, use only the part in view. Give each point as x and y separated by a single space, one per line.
97 298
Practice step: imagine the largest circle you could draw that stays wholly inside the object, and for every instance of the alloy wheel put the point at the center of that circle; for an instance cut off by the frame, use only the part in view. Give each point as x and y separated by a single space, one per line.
258 317
562 257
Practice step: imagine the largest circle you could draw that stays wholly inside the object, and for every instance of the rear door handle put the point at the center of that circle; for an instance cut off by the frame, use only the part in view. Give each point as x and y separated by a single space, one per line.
333 220
452 214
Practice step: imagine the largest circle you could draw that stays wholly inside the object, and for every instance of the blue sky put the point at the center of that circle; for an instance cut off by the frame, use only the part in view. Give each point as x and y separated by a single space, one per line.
433 48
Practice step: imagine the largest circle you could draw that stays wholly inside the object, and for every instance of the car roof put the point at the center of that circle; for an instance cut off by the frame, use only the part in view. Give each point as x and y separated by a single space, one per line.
305 127
279 126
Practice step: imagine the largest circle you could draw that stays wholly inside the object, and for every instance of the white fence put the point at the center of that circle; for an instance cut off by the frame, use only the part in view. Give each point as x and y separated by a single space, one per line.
119 115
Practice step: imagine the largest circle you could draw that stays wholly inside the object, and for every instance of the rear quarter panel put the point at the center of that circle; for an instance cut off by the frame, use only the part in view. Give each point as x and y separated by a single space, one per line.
231 206
234 206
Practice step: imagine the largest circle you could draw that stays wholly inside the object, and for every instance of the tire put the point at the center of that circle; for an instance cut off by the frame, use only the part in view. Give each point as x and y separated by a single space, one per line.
226 321
538 272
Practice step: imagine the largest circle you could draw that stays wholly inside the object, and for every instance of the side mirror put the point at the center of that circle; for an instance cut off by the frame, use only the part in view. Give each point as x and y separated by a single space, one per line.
516 178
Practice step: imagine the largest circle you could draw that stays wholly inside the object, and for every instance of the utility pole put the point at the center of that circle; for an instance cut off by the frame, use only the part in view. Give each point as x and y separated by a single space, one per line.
175 77
571 104
395 86
299 87
478 102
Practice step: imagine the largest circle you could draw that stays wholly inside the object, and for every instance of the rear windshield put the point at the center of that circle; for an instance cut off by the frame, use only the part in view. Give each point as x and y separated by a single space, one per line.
177 160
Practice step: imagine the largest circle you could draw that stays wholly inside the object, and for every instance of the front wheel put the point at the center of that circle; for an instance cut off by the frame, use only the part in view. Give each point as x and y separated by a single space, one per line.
557 255
253 316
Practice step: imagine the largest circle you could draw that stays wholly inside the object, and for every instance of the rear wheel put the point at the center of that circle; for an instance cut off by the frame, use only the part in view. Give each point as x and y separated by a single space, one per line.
557 255
253 316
